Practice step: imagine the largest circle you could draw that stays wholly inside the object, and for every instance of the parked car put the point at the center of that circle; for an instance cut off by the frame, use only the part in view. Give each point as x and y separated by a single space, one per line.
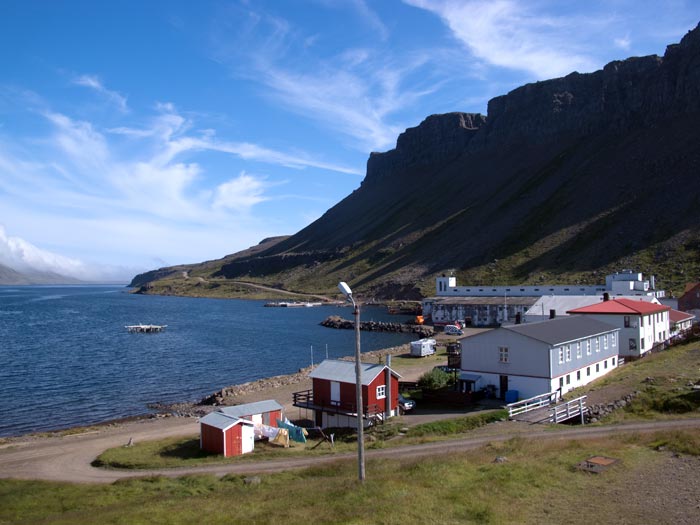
406 404
451 329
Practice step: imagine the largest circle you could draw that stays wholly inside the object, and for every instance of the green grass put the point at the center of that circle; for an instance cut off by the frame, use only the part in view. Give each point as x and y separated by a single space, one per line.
458 425
537 484
663 381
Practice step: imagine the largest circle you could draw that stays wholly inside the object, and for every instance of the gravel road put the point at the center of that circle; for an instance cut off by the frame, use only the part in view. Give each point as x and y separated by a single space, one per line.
68 458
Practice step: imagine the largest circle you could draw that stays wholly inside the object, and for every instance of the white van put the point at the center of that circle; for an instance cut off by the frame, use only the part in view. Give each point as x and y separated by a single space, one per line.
451 329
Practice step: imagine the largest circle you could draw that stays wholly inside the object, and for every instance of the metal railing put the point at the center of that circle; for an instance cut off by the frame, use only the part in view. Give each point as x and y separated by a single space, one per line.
305 399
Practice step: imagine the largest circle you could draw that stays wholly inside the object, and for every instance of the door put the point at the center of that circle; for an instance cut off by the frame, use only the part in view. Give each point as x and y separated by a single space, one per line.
335 393
503 387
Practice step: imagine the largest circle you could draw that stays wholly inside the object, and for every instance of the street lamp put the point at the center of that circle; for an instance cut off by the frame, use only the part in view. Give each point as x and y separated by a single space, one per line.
347 292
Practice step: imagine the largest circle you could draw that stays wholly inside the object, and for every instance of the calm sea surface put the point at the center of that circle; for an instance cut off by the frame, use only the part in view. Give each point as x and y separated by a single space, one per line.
66 358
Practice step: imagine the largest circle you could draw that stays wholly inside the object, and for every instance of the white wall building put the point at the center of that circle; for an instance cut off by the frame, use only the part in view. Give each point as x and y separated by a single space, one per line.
549 306
491 305
537 358
643 325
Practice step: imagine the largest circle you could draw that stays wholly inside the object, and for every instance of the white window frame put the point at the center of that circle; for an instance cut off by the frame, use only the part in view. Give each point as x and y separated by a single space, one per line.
613 337
561 355
381 391
578 350
567 349
605 342
588 347
503 354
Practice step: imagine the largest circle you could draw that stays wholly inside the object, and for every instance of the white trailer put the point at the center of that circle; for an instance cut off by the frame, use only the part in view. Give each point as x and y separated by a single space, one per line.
423 347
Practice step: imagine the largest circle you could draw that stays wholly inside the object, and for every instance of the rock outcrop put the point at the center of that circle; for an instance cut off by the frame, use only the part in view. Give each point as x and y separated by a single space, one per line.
583 174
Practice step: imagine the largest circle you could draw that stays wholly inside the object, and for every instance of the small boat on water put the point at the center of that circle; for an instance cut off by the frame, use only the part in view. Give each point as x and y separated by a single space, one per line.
145 328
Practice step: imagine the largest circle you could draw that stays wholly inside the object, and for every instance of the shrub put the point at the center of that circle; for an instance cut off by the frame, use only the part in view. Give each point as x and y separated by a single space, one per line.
434 380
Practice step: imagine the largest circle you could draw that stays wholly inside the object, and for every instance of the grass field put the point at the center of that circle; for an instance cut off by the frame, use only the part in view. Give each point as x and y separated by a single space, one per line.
538 483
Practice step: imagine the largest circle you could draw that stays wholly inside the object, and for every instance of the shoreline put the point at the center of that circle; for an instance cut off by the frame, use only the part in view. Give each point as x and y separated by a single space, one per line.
248 392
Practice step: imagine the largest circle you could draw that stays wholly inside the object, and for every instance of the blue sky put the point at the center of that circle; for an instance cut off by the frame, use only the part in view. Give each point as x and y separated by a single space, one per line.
138 134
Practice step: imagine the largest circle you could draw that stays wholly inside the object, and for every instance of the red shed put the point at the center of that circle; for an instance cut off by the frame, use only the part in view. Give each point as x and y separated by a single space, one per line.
333 395
265 412
226 435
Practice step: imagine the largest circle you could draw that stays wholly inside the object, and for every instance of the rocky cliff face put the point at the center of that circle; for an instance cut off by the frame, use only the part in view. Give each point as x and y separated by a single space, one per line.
583 173
438 139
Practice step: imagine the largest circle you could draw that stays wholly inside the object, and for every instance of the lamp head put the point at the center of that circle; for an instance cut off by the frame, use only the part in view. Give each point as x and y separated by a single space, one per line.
343 287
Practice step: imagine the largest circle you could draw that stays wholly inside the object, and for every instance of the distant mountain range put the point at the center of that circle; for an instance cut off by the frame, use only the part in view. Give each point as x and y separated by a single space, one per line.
563 181
8 276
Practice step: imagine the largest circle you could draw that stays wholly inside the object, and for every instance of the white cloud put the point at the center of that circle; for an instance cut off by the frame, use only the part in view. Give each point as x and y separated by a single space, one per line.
22 255
240 194
93 82
514 35
623 42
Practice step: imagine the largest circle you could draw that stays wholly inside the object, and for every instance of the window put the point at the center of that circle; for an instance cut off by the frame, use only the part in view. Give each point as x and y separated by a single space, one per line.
588 371
605 364
613 359
597 368
605 342
503 354
381 391
633 344
568 379
561 382
561 355
597 344
567 349
641 343
641 321
627 321
613 338
578 350
588 347
578 375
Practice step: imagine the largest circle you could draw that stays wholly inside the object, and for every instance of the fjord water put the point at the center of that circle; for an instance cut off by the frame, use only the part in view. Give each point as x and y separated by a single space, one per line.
66 358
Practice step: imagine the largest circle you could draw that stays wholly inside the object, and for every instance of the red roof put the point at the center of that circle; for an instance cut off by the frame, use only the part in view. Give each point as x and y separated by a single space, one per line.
622 306
676 316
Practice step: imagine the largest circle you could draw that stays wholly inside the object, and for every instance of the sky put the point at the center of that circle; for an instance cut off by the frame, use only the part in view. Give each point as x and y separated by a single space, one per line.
142 134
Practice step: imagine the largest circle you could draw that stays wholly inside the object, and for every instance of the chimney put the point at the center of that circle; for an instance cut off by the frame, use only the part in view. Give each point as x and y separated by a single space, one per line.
518 318
653 282
606 297
552 314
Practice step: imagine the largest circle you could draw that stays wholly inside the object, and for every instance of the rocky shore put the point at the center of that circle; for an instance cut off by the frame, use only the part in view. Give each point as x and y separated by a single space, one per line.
335 321
279 387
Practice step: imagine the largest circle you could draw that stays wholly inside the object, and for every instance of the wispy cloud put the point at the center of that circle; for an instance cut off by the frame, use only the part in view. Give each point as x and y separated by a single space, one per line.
358 92
93 82
623 42
514 35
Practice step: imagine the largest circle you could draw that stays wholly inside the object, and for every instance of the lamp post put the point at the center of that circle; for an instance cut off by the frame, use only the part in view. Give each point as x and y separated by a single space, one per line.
347 292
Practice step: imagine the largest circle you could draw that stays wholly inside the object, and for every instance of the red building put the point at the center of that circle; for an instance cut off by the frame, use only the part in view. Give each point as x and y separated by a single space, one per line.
227 435
261 412
230 430
690 300
333 397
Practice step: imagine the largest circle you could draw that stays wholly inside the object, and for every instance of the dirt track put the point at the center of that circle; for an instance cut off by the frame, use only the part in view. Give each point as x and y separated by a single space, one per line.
68 458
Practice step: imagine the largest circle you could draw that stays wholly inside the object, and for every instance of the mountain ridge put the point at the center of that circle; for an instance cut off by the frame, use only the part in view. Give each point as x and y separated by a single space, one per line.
563 179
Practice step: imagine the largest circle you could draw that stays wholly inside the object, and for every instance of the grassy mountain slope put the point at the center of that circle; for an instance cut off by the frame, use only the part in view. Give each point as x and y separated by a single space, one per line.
564 181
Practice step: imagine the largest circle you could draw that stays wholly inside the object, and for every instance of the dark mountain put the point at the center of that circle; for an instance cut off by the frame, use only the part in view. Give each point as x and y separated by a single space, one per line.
563 180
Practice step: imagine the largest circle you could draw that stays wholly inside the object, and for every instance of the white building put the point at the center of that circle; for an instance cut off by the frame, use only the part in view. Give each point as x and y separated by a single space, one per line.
537 358
549 306
493 305
643 325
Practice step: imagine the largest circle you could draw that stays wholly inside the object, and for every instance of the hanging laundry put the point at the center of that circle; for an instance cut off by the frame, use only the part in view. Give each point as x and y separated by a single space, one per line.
295 433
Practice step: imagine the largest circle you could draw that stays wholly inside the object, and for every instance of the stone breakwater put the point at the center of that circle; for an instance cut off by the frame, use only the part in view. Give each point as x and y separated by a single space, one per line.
335 321
231 395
